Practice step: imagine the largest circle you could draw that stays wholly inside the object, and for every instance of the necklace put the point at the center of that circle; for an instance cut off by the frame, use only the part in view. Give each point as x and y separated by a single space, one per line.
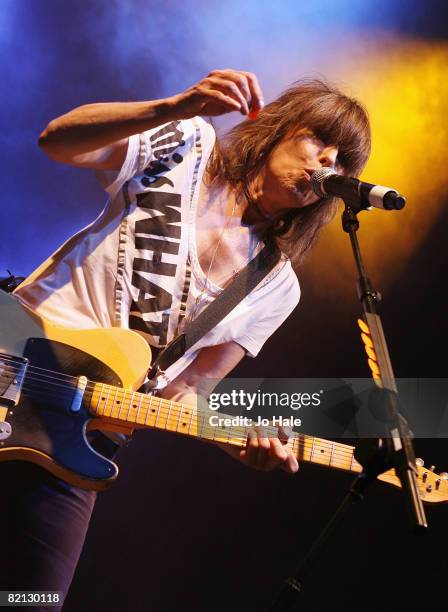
218 244
199 302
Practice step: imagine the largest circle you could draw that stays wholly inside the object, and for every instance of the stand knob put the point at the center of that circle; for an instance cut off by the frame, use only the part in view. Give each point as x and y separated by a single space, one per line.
5 430
419 462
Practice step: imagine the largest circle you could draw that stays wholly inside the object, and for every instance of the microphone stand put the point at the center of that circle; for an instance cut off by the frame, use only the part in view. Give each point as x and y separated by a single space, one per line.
376 456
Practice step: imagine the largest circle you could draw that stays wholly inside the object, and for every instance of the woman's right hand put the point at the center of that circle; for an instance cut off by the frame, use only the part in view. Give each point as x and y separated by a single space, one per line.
221 92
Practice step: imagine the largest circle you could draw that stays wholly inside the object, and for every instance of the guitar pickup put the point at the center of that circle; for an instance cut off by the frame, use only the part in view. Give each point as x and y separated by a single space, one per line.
12 375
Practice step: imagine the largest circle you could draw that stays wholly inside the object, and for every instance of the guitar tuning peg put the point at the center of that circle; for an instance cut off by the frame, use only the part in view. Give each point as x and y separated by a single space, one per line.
419 462
443 475
432 468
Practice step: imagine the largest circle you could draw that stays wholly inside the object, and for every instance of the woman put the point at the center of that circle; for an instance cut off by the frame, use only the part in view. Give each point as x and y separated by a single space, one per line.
185 214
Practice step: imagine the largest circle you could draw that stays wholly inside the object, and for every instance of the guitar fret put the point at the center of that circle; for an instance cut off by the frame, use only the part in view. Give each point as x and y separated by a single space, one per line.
158 410
128 418
332 453
179 418
191 420
113 402
202 426
99 398
312 449
120 404
131 405
128 398
148 410
294 440
319 452
139 406
169 415
106 400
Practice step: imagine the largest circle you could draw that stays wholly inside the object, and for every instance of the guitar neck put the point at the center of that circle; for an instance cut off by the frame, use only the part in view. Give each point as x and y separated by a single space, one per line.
146 411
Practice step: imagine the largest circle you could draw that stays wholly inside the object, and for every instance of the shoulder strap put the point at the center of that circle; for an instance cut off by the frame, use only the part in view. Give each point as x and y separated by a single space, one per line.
255 271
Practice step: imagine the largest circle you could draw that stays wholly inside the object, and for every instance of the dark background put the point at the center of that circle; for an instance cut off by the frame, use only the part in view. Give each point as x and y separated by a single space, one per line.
187 527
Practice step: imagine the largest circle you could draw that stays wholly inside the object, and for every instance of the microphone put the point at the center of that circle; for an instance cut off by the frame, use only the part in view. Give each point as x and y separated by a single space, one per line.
356 194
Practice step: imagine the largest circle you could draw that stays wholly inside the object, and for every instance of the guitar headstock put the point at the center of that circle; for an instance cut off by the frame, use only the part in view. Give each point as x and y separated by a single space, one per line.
433 487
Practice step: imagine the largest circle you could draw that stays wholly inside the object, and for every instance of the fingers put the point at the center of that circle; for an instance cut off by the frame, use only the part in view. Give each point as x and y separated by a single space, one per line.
277 455
222 91
247 90
231 103
291 465
256 93
266 454
257 449
233 90
284 433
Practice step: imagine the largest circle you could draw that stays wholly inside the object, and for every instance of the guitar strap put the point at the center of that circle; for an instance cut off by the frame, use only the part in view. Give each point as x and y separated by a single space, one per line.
248 278
255 271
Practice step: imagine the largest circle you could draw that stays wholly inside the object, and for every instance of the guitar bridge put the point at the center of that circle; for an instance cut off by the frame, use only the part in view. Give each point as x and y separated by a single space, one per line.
12 375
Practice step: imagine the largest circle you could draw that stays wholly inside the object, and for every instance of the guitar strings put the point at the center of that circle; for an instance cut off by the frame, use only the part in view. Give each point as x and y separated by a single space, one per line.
340 450
309 448
33 367
172 412
41 377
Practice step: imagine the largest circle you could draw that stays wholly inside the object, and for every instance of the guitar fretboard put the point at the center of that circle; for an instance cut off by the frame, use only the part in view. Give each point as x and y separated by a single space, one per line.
154 412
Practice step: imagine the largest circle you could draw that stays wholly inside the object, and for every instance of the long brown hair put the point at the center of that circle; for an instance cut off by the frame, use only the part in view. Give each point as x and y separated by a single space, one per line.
334 117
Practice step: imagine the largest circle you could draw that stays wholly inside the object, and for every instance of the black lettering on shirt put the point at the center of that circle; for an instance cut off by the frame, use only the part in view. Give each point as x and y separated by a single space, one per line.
160 300
151 234
164 144
160 225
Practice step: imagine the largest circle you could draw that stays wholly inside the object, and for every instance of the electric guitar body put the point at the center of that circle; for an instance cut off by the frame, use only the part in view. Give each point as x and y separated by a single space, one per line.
49 426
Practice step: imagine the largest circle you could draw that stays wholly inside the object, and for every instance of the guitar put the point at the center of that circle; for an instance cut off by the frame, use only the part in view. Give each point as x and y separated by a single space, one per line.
58 384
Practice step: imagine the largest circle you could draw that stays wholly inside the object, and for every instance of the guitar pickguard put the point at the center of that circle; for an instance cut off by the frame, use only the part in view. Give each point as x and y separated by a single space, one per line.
43 421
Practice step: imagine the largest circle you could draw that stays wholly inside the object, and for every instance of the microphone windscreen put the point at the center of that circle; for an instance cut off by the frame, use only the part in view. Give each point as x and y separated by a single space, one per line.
317 181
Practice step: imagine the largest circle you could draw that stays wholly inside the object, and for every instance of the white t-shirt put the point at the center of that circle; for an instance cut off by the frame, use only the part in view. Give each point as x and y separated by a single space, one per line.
136 265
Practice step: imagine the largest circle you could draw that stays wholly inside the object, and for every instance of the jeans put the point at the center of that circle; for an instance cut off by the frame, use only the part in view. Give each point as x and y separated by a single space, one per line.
43 524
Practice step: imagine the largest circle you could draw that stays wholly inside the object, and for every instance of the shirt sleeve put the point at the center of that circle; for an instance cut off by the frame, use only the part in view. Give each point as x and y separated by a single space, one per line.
269 311
139 154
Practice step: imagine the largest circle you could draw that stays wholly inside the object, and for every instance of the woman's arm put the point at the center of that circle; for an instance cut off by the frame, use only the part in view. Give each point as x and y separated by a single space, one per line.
96 135
214 363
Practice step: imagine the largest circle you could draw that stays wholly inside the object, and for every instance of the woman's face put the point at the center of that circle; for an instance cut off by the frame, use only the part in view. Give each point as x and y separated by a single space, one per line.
285 180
